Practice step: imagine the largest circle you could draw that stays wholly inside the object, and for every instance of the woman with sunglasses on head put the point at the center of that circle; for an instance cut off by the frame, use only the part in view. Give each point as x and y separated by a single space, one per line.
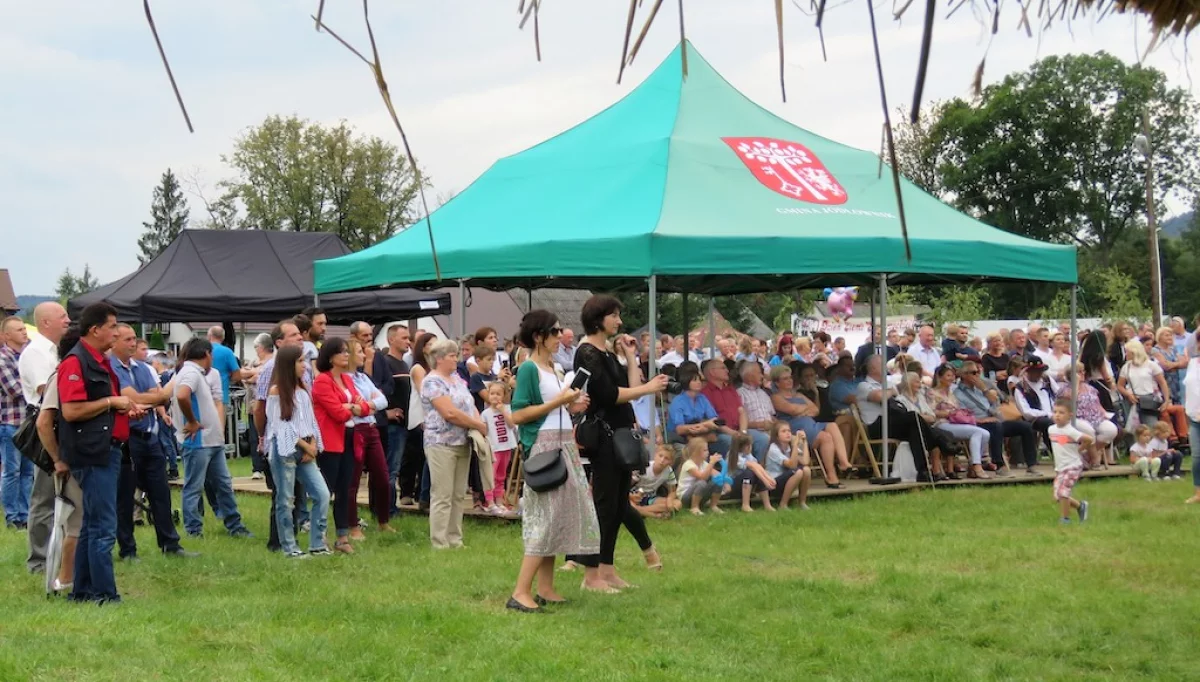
611 388
337 402
562 520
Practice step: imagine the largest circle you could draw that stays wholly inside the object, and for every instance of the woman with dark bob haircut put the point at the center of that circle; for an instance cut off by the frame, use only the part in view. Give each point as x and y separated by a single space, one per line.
562 520
611 389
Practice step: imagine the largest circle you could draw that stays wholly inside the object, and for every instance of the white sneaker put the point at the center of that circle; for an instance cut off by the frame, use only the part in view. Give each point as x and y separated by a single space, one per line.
1175 477
257 476
1146 477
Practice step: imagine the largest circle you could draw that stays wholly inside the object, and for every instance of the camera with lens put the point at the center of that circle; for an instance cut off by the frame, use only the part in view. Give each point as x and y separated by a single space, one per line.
674 387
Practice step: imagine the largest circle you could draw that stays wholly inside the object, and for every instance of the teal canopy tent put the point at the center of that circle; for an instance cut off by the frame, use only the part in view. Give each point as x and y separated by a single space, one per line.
689 181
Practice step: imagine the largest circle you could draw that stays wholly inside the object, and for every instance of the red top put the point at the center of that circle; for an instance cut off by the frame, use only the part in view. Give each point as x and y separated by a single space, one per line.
725 401
329 403
71 388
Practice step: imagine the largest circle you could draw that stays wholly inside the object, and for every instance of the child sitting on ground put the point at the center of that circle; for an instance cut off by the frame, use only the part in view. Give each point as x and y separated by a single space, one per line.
644 496
750 475
502 435
1171 460
1141 454
1065 442
789 470
695 476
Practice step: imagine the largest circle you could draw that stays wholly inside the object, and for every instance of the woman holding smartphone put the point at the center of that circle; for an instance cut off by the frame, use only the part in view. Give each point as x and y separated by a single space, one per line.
562 520
292 441
611 388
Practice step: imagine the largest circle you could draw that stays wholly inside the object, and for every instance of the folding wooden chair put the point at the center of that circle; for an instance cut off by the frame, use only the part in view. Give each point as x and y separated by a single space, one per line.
516 479
867 444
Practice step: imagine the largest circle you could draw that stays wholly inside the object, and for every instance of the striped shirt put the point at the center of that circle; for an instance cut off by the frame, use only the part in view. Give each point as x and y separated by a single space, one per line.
282 435
757 404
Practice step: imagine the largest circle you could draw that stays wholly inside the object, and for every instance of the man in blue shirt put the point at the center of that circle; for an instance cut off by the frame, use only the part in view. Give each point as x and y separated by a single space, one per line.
143 464
843 385
224 361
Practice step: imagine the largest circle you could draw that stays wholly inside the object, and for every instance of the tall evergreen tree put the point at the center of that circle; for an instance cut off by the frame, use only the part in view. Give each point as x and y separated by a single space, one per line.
169 215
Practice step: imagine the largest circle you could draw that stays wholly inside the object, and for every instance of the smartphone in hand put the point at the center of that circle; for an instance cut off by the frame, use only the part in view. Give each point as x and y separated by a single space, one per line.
581 378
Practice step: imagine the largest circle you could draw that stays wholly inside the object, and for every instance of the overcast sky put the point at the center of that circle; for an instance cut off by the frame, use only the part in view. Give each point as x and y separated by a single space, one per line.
89 123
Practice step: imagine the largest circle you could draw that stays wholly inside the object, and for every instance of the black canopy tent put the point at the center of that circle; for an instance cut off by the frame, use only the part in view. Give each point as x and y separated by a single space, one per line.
250 276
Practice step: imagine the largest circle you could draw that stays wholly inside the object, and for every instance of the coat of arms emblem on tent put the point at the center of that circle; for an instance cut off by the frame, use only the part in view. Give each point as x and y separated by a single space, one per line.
789 168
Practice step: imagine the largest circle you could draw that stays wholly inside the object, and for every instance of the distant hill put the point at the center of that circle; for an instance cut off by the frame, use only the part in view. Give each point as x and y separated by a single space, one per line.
1173 227
28 302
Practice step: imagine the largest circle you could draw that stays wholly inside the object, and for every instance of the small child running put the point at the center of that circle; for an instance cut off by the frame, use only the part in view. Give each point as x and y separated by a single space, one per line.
1065 442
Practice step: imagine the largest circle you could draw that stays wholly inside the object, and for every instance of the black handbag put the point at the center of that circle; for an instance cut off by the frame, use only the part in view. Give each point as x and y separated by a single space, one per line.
1149 403
29 443
629 449
547 470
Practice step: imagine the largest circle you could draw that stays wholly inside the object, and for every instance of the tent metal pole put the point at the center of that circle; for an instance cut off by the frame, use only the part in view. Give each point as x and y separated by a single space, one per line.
316 300
1074 344
712 327
882 351
462 308
652 356
874 297
242 342
687 328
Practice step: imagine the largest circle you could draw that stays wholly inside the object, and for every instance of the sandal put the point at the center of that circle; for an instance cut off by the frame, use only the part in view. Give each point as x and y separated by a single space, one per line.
607 589
697 512
657 565
343 546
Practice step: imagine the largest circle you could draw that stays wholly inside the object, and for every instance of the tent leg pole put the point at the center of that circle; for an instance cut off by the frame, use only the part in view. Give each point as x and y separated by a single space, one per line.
882 346
712 327
874 297
1074 342
653 356
687 327
462 308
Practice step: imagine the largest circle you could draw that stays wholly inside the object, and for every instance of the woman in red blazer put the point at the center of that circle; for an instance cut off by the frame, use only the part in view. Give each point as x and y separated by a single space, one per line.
336 403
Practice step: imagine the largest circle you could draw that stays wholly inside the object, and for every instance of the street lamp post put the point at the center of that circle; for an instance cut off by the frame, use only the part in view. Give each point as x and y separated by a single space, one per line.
1141 143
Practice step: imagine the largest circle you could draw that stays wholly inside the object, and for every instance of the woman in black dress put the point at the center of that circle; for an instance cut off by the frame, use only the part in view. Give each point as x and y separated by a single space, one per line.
611 388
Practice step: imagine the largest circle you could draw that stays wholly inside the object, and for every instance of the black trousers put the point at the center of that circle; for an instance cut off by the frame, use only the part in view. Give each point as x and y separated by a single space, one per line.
337 468
1014 428
610 494
908 427
1041 425
411 464
144 467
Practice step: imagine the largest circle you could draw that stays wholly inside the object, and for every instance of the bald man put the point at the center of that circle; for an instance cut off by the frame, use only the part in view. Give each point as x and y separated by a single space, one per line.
38 361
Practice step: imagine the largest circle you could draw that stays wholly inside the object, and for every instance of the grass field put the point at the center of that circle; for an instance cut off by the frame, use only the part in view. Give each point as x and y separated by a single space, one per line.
947 584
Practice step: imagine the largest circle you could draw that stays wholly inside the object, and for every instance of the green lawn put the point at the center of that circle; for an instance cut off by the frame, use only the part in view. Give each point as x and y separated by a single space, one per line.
947 584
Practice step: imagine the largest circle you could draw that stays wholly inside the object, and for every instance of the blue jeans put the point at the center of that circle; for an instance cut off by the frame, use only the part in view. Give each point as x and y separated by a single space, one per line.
17 480
169 446
200 464
285 470
94 579
397 436
425 484
721 445
761 442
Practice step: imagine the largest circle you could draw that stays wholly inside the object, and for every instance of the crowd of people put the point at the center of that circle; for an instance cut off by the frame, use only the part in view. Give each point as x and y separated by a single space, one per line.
446 425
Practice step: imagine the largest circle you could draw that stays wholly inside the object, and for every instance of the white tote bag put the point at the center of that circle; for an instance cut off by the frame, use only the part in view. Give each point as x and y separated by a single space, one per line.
903 464
416 413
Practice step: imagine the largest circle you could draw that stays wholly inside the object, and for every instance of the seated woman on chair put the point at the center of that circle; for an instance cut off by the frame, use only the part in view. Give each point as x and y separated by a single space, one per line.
800 414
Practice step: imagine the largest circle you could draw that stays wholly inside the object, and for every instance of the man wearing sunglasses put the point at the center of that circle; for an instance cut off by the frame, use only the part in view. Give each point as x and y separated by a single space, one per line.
983 400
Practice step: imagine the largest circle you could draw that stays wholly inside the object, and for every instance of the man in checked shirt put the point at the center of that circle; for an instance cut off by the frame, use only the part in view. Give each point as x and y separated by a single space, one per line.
17 480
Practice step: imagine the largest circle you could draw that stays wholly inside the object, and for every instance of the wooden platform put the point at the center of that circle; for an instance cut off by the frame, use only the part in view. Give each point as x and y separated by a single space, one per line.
853 487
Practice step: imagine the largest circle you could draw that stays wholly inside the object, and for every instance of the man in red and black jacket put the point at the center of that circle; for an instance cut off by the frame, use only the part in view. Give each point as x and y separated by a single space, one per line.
93 425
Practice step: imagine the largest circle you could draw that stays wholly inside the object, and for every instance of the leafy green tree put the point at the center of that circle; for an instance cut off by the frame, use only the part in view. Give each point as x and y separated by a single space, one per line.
292 174
168 216
69 286
959 304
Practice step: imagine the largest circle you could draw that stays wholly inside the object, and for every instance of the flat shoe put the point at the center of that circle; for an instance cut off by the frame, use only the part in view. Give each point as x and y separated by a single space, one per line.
518 606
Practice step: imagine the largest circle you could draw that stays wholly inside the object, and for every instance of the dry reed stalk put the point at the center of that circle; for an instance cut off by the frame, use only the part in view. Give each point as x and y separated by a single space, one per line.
170 76
779 34
376 67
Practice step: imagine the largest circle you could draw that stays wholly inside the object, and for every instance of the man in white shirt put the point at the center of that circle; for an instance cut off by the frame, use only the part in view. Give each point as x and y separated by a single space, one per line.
872 400
38 361
1041 339
926 353
565 355
201 434
1035 397
679 354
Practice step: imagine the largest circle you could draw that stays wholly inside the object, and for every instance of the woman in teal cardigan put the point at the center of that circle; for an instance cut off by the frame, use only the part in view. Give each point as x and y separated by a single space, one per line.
563 520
